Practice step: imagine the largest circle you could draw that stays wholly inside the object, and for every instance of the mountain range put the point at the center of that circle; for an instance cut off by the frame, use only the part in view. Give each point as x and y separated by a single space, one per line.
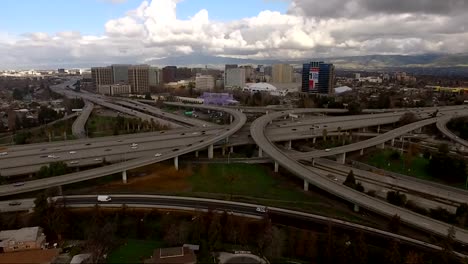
367 62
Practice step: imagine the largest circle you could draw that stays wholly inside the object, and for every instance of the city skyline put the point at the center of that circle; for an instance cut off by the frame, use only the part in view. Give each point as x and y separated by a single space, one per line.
135 31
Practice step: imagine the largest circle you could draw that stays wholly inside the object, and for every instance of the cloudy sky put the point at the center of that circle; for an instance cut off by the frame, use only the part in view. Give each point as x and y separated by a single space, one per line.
50 33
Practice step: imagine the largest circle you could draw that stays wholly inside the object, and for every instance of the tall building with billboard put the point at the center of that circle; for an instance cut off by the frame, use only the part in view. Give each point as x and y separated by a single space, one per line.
318 77
138 78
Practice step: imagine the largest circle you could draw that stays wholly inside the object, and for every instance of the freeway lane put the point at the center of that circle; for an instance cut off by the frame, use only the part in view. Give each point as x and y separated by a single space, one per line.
164 115
341 191
238 122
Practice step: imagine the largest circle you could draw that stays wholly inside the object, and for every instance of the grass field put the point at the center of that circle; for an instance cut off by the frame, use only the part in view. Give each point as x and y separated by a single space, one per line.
412 166
237 182
133 251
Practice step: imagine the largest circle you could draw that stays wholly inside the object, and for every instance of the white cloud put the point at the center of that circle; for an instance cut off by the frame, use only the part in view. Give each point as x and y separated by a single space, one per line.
153 31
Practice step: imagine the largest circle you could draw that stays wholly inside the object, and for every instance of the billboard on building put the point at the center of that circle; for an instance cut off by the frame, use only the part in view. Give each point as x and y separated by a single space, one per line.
313 78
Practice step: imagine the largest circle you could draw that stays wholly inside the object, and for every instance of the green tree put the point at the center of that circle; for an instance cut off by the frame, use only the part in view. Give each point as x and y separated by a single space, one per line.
18 94
350 180
324 134
359 249
443 148
392 255
407 118
394 224
414 258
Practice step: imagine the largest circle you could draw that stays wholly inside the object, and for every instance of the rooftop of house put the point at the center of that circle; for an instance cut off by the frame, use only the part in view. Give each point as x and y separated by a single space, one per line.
39 256
20 235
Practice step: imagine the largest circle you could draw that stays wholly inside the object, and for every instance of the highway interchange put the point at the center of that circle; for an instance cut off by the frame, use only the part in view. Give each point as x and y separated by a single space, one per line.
191 135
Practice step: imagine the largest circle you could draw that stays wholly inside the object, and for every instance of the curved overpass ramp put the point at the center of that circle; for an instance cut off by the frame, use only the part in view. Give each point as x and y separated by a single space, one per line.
442 126
238 122
341 191
78 127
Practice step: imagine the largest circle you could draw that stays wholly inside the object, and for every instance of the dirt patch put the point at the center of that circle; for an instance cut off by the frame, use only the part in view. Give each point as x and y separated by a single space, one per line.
161 178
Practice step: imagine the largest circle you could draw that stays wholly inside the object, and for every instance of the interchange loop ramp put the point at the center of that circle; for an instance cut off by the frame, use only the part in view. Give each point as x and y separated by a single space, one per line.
341 191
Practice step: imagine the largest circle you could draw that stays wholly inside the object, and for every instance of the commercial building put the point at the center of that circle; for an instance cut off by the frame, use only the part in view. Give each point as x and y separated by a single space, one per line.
318 78
183 73
101 76
282 73
204 82
155 77
120 73
28 238
226 68
235 78
114 89
138 78
169 74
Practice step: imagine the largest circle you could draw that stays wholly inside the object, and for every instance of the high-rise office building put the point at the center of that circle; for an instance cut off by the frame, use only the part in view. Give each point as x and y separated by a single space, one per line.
282 73
138 78
120 73
154 76
101 76
226 68
204 82
318 77
169 74
235 78
183 74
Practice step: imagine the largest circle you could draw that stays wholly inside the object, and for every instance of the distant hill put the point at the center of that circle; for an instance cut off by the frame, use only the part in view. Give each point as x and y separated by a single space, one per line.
356 62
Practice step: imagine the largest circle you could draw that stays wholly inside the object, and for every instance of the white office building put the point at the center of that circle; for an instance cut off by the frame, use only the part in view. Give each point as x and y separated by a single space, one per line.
204 82
235 78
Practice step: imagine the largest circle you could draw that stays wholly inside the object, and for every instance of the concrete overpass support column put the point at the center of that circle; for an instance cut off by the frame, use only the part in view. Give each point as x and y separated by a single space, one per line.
210 152
393 142
223 151
378 129
356 208
313 162
289 144
276 167
314 140
341 158
124 177
230 119
59 189
364 129
260 152
65 135
176 162
196 154
361 152
231 149
420 130
381 146
285 117
306 185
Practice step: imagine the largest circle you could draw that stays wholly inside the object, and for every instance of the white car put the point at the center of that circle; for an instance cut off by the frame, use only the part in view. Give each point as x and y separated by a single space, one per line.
98 159
327 150
72 152
3 153
134 145
158 155
104 198
74 162
261 209
204 125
